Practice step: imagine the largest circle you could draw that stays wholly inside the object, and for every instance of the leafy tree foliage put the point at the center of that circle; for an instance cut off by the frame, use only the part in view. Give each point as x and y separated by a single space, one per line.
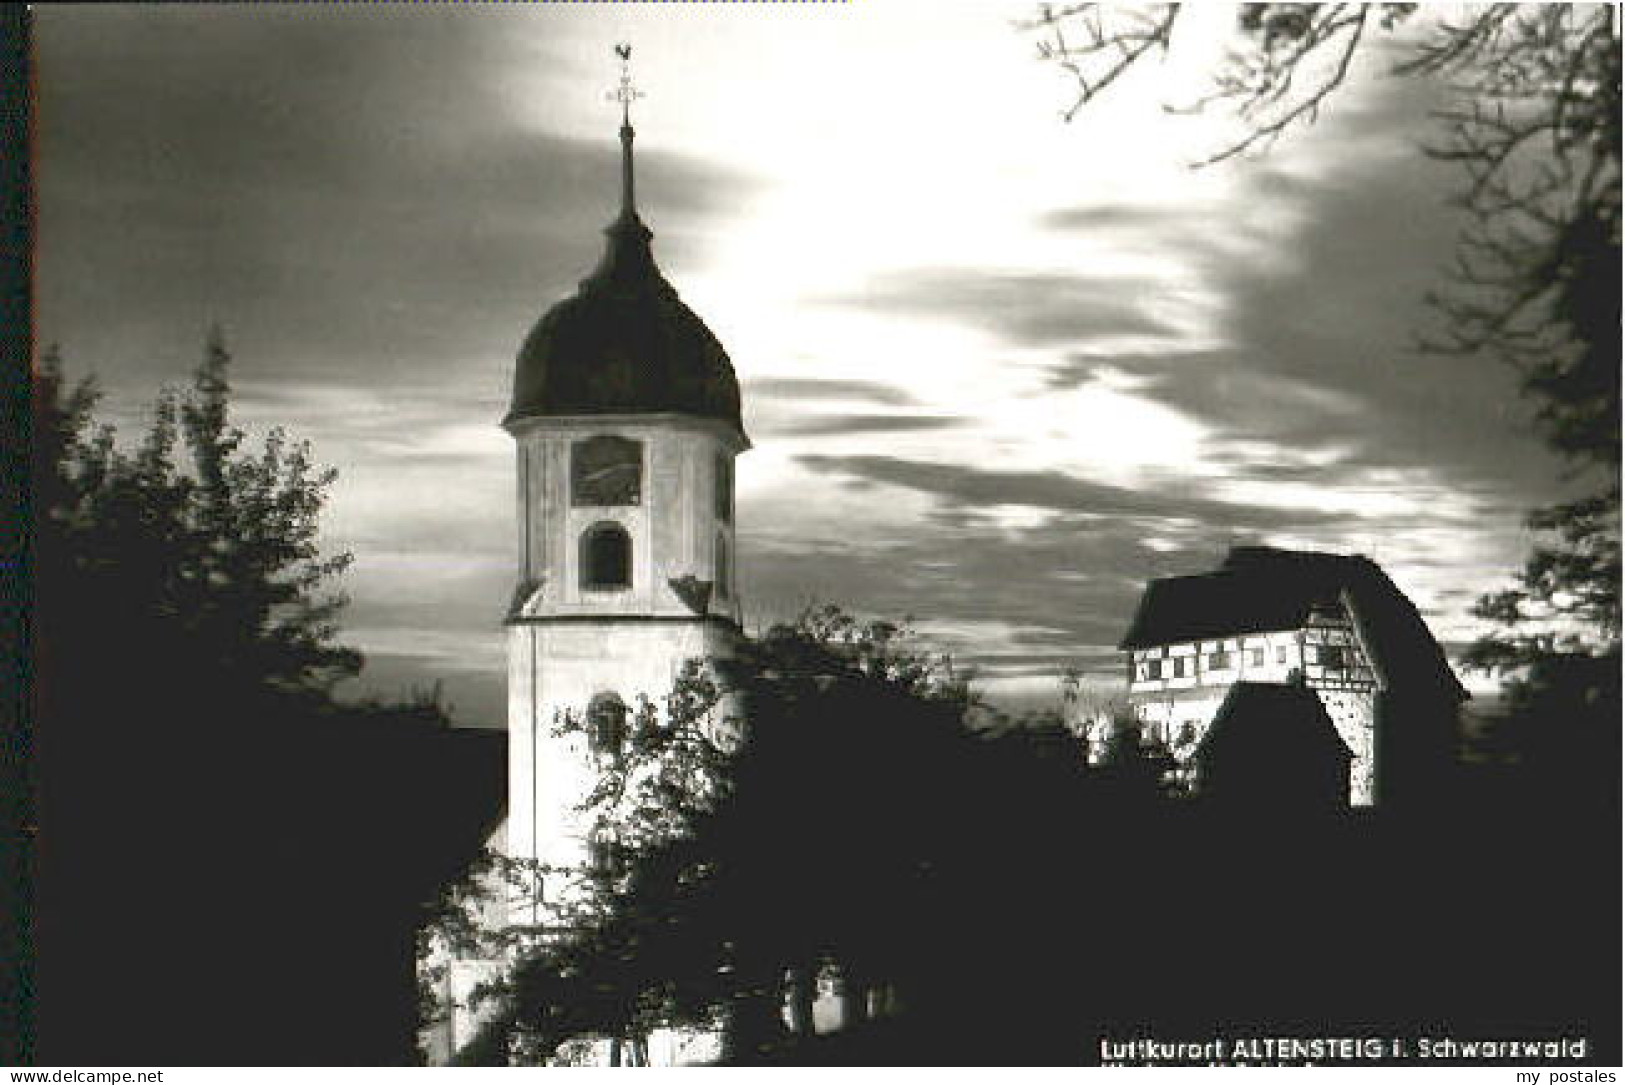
742 872
224 547
976 893
231 860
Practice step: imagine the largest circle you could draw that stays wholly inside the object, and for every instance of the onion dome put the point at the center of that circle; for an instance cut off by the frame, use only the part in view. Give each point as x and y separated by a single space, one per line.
625 343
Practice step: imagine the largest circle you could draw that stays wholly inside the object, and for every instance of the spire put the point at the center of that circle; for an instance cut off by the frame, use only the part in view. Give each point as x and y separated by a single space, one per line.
625 342
626 94
627 262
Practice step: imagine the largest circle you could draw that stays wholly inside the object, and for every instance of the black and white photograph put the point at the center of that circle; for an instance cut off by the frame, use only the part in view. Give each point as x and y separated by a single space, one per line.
872 533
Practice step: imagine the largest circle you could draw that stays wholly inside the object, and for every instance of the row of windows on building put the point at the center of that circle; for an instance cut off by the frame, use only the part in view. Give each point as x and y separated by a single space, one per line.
606 559
607 472
1323 655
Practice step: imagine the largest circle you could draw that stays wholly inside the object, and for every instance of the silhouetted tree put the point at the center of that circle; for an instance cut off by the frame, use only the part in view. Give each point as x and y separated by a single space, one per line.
219 555
938 864
985 897
231 860
742 871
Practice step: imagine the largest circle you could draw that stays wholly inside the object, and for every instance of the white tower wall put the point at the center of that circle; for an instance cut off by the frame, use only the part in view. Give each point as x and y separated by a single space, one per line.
570 642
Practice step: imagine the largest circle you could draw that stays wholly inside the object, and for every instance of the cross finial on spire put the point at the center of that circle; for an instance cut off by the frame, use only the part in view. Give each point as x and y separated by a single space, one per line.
626 94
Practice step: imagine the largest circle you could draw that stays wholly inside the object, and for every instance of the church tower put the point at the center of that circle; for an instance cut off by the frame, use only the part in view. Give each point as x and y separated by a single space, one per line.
625 418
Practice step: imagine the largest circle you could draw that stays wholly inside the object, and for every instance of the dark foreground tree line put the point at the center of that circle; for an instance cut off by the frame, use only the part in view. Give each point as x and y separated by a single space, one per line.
975 892
232 865
228 860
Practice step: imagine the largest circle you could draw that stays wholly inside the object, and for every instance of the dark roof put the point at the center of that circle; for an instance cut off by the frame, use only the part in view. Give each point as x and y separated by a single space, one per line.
1272 716
1260 589
1224 603
624 344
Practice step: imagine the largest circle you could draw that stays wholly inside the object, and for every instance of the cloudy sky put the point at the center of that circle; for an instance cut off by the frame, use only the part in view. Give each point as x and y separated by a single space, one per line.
999 369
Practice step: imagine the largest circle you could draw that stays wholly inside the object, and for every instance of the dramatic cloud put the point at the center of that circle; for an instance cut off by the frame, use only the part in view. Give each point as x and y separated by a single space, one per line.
804 390
973 488
838 424
998 371
356 200
351 195
1035 309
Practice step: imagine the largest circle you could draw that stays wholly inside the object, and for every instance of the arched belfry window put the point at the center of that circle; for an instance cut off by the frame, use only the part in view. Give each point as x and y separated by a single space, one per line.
607 471
606 725
606 558
723 569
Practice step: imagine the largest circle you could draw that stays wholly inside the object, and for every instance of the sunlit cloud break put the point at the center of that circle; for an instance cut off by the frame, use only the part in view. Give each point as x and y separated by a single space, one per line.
999 371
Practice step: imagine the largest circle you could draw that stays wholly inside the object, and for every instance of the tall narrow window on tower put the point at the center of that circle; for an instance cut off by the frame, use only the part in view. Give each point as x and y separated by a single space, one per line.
606 471
606 725
603 860
606 558
722 566
724 476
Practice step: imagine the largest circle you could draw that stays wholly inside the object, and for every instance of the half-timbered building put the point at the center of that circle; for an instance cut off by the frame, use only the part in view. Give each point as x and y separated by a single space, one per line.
1335 625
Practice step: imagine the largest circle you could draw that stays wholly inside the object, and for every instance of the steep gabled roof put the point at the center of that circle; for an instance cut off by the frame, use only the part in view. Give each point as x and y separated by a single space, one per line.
1276 717
1260 589
1256 590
